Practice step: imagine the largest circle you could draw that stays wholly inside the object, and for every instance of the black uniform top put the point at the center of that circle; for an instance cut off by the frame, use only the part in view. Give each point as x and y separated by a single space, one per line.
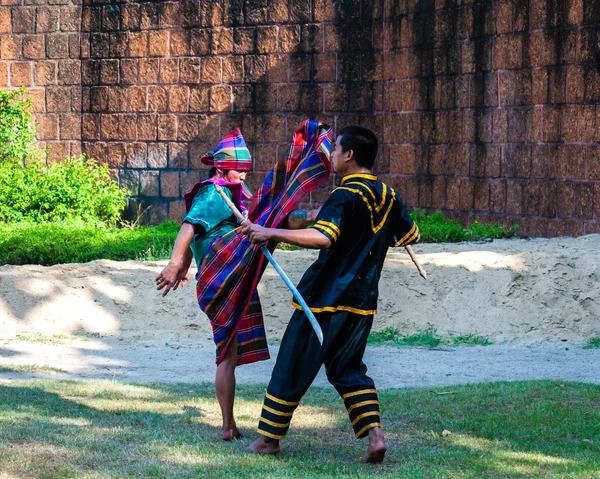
362 217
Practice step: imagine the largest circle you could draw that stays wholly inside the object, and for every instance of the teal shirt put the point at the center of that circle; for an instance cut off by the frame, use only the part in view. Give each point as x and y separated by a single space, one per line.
210 211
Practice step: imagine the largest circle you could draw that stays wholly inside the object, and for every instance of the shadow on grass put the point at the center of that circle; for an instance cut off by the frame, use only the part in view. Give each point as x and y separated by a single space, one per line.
106 429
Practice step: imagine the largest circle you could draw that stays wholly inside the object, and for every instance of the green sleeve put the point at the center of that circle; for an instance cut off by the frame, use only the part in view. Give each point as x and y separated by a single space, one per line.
208 208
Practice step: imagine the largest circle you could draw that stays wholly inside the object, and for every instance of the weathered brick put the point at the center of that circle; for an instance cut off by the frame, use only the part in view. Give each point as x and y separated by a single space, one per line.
70 126
333 39
149 68
149 16
558 163
498 196
109 72
551 124
178 155
278 12
568 124
90 127
266 41
45 73
23 20
199 99
220 98
109 127
47 126
222 41
565 200
481 195
586 123
157 155
158 41
189 70
169 70
200 42
38 99
244 40
233 69
149 183
57 45
99 44
136 155
5 20
169 184
157 99
167 127
255 68
211 70
69 72
288 38
21 74
575 155
117 99
179 98
11 47
116 154
138 44
170 14
33 46
47 19
129 72
187 127
70 18
258 12
180 43
4 74
212 13
118 42
138 98
147 127
208 128
127 126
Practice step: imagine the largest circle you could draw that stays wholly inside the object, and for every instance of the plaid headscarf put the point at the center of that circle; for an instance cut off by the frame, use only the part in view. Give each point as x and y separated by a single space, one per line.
230 154
232 268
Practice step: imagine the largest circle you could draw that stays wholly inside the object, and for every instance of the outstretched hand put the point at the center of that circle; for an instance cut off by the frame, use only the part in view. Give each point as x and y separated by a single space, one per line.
171 277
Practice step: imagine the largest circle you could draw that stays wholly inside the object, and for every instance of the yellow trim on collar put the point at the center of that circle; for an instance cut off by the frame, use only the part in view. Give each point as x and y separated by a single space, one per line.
357 175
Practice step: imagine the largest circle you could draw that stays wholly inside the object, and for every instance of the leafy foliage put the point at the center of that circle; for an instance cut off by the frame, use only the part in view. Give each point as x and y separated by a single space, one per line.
17 130
75 188
437 229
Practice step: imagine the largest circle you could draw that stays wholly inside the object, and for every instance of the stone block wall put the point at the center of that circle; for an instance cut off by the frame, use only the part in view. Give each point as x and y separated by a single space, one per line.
485 109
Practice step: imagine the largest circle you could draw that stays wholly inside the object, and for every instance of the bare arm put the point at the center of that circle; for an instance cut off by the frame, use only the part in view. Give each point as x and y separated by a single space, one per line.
299 219
177 273
305 238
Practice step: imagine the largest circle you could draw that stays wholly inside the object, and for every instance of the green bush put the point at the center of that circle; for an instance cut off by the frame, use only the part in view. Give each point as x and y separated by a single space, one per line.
17 130
76 188
437 229
74 241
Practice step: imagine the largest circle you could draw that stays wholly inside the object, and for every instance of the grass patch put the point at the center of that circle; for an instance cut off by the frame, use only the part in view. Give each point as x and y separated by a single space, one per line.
426 338
74 241
437 229
29 368
592 343
56 429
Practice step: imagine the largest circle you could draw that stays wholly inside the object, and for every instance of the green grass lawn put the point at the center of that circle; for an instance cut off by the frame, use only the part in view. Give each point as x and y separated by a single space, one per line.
63 429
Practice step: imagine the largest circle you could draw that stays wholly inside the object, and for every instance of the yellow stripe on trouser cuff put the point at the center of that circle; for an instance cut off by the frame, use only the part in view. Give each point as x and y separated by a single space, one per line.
356 393
275 424
268 434
281 401
368 426
275 411
359 404
358 418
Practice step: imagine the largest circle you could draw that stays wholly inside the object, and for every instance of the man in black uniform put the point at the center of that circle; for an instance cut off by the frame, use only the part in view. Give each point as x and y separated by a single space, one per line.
360 220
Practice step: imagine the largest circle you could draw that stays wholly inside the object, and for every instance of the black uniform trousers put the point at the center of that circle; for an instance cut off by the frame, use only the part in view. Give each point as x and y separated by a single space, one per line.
299 360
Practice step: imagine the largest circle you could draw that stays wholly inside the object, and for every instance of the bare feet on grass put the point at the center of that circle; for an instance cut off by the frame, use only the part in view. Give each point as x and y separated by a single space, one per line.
376 450
231 432
264 445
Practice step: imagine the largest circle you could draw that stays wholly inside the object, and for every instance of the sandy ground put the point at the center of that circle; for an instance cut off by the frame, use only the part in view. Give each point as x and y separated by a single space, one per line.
538 300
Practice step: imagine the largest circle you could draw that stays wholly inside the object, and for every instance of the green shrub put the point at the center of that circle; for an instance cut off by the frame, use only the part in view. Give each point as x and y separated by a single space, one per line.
75 188
74 241
437 229
17 130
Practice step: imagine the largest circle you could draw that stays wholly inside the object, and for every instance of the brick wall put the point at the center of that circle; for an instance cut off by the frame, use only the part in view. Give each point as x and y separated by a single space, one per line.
485 110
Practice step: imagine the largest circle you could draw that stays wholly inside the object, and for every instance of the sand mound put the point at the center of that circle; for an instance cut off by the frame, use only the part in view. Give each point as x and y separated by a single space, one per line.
525 291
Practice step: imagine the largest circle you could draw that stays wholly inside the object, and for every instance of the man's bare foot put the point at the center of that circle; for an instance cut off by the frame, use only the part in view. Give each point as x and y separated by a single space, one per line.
231 433
376 450
264 445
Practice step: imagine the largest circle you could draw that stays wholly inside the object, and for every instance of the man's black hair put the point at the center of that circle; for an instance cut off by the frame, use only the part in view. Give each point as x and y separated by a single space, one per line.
362 142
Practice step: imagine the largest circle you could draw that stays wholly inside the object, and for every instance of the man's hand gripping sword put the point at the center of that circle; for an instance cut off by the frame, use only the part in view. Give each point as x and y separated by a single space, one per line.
286 280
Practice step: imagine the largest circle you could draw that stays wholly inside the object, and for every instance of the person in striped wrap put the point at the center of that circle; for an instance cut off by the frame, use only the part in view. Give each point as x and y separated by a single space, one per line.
208 217
356 225
229 267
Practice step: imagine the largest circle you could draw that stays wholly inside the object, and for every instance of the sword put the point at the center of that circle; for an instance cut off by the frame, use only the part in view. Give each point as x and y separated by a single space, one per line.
309 314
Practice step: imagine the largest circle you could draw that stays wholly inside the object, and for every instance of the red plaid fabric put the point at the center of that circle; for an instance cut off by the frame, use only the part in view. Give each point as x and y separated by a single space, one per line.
232 268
